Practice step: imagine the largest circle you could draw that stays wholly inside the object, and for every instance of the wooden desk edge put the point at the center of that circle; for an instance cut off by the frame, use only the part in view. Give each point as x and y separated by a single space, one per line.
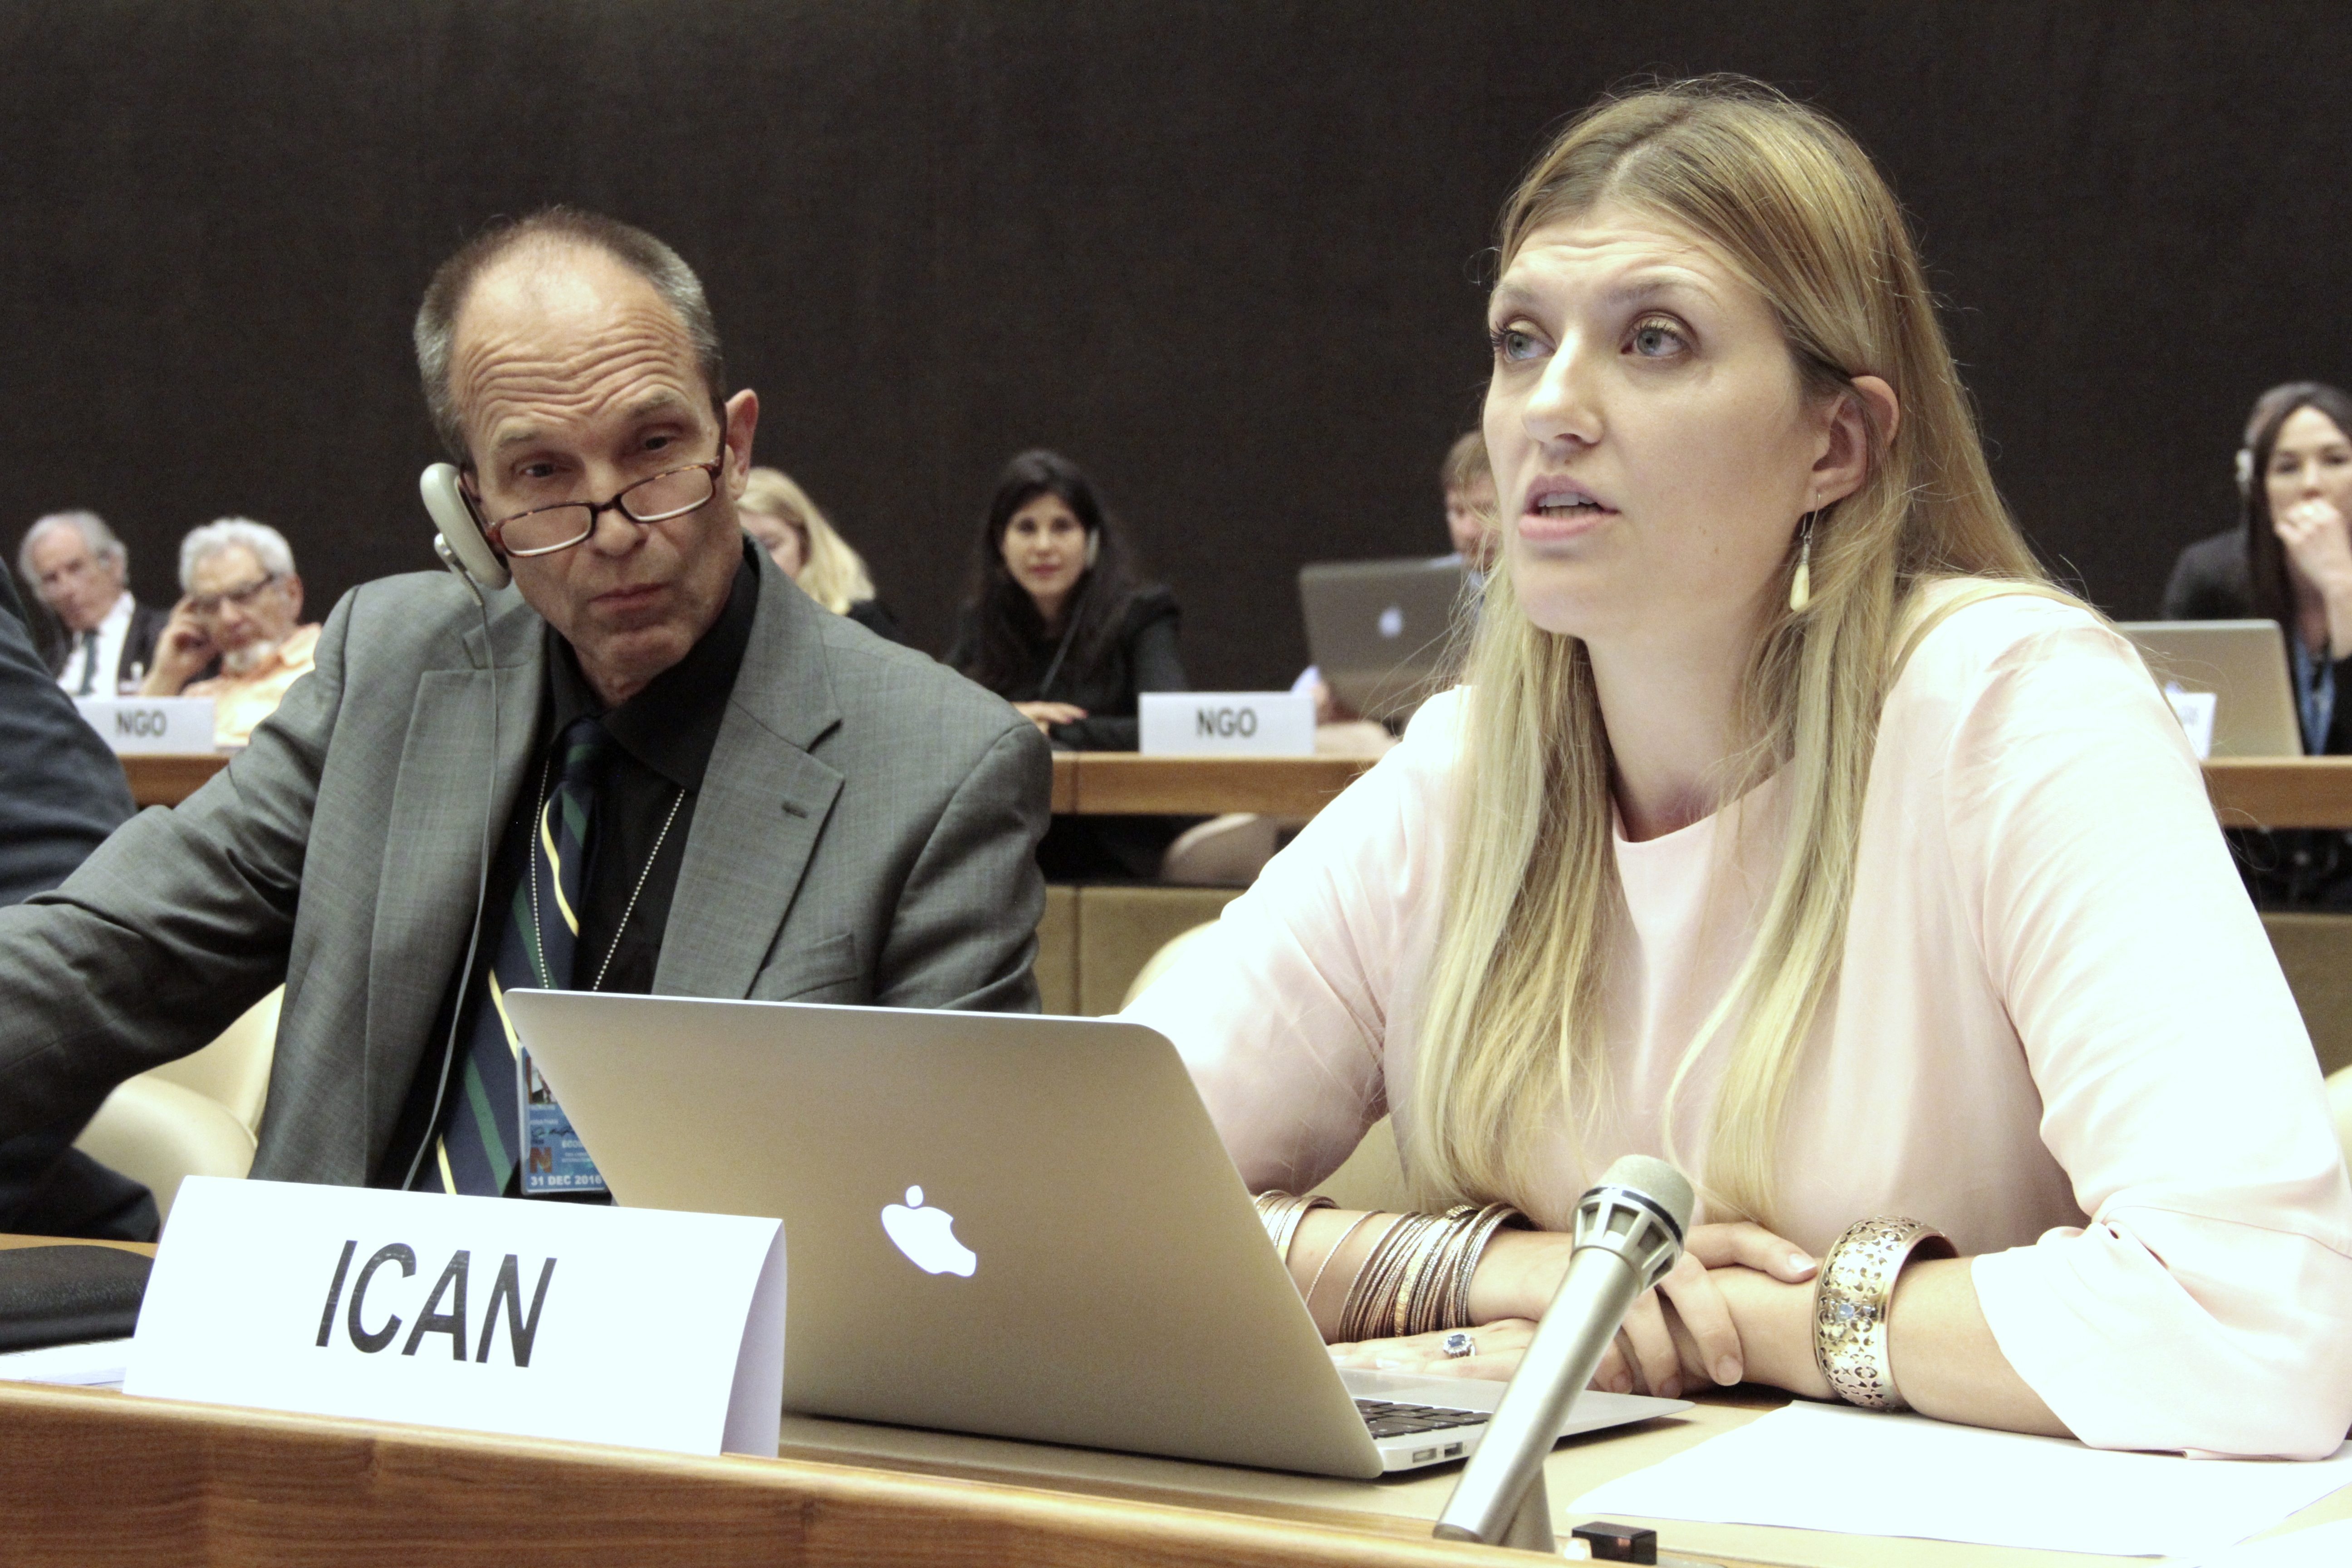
2280 792
201 1483
1111 782
167 779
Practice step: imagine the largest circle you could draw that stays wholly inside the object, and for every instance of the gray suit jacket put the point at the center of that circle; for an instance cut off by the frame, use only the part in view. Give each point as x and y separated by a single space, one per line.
865 833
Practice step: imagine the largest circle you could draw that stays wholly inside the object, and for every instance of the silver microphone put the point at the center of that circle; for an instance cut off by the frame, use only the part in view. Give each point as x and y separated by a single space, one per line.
1629 1232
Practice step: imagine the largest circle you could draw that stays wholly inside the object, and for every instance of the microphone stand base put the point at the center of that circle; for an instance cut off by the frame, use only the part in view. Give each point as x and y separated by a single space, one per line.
1530 1527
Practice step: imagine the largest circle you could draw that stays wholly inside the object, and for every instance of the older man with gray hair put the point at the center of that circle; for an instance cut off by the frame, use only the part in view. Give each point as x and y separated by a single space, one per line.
658 766
81 572
241 603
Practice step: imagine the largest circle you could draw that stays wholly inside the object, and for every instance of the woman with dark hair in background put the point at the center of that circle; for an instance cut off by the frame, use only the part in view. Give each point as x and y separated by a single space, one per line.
2289 560
1057 625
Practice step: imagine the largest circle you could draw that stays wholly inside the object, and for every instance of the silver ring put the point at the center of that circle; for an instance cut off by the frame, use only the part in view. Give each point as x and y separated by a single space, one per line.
1458 1344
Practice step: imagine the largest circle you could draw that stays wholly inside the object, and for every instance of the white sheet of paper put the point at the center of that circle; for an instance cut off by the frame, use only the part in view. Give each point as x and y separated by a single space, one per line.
97 1363
655 1328
1811 1467
2321 1546
2195 710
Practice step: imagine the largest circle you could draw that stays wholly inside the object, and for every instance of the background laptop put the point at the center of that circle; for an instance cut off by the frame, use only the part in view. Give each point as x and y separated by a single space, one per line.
1382 631
2245 664
1122 1293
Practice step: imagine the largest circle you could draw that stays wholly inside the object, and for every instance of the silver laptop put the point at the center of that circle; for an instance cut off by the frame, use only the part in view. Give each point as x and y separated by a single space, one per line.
2245 664
998 1224
1383 631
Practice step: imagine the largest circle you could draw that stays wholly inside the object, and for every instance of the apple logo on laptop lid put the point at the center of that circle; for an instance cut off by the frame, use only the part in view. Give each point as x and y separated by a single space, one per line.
928 1236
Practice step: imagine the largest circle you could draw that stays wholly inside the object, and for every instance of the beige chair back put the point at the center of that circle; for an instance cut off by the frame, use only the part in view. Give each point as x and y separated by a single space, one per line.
235 1068
161 1133
1226 851
195 1117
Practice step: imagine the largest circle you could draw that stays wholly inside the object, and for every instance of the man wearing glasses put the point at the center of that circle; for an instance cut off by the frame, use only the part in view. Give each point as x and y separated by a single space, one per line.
241 607
665 769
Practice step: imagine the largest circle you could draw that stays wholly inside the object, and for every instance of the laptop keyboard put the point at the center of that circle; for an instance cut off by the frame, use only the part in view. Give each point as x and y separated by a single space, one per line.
1388 1420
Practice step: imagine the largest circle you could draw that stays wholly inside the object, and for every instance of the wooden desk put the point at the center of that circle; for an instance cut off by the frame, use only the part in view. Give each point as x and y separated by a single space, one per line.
167 780
2266 792
1088 782
1095 784
95 1478
2281 792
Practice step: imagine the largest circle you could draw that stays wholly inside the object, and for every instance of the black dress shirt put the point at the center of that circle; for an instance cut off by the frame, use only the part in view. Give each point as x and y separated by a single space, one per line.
644 809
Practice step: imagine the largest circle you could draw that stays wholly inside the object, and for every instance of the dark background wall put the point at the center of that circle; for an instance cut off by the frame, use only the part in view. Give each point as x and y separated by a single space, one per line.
1224 254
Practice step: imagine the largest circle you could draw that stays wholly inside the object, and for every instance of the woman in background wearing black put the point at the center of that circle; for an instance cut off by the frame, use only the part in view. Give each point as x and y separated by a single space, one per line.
1057 625
2290 561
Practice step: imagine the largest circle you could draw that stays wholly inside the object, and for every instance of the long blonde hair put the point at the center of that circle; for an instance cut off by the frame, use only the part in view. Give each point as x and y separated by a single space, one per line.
831 572
1512 1030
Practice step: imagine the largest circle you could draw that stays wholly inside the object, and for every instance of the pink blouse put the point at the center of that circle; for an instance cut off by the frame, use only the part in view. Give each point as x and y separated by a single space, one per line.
2058 1033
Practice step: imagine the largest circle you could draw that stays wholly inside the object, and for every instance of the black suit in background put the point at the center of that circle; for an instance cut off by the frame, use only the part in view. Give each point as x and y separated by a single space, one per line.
2293 867
61 793
1142 657
138 655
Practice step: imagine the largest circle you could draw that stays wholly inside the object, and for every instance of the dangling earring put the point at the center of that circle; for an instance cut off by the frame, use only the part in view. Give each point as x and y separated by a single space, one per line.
1800 582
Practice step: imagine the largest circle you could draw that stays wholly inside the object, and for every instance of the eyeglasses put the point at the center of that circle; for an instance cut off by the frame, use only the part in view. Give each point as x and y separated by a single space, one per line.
544 530
209 604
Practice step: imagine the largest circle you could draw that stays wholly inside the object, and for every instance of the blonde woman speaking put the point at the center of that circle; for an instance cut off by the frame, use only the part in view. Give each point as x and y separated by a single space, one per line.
1786 826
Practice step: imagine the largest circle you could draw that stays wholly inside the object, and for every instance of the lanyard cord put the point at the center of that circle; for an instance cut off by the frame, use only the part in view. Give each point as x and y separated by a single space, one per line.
631 908
1045 688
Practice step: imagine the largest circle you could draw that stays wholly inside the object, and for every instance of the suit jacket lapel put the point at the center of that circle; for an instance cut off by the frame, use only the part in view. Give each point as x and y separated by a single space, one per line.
763 803
449 777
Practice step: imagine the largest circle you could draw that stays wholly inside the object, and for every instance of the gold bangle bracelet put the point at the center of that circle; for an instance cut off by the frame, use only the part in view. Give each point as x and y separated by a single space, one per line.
1420 1270
1372 1298
1352 1306
1324 1267
1477 1234
1282 1223
1852 1296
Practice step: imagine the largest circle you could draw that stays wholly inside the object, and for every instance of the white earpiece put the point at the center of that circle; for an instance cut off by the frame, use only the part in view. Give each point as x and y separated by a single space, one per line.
1094 547
461 542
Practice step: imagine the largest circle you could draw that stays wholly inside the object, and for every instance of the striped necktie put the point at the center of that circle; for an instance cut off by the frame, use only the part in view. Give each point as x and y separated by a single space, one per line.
89 663
481 1134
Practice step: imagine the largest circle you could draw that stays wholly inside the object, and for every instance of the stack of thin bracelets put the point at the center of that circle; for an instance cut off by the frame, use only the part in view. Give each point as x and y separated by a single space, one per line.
1851 1298
1415 1280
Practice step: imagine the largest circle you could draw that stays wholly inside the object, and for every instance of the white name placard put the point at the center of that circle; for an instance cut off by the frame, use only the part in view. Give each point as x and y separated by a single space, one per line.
1226 723
642 1327
133 724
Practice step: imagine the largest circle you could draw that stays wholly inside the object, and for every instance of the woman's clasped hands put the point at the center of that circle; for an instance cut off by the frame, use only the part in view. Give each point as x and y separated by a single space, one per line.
1735 1287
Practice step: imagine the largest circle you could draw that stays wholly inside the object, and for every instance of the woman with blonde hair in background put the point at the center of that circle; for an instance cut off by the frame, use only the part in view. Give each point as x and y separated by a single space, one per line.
778 513
1789 827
